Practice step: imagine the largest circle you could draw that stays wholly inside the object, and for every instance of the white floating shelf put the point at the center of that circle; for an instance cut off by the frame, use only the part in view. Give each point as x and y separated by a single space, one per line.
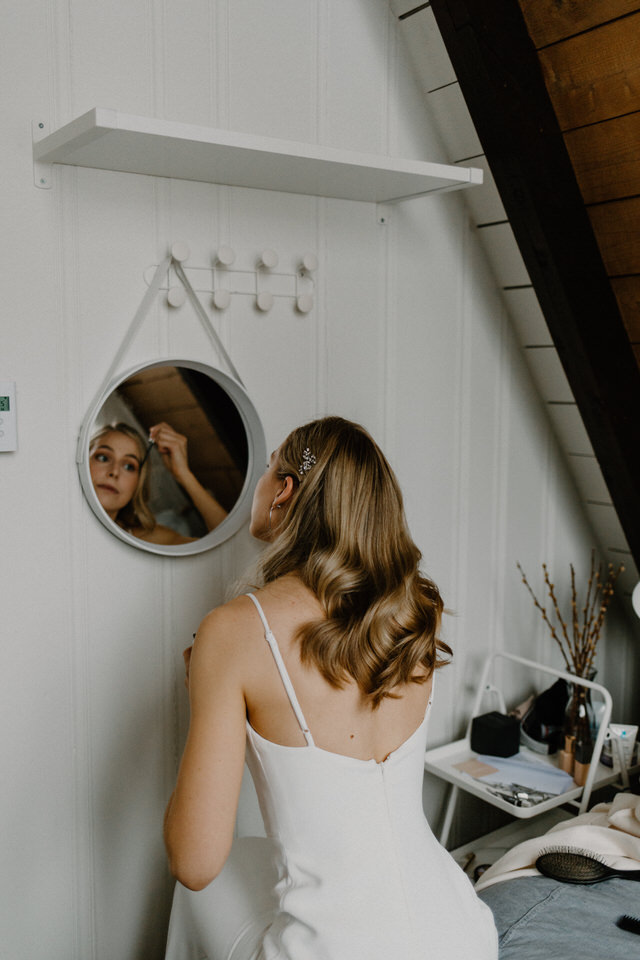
109 140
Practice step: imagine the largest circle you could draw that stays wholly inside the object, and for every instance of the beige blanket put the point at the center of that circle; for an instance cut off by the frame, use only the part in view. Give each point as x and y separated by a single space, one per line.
610 830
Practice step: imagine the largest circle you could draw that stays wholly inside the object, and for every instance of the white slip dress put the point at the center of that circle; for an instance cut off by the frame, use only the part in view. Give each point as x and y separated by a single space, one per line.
350 869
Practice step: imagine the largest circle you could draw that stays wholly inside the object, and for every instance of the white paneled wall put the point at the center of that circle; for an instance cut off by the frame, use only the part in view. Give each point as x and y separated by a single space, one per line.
408 336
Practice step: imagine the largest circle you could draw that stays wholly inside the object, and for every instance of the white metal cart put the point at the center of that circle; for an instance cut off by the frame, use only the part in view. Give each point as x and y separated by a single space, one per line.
442 761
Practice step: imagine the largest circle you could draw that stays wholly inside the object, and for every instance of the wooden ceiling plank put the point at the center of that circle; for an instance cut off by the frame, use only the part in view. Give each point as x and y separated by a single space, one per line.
484 200
606 158
152 399
528 317
552 20
150 374
616 228
595 76
499 74
569 428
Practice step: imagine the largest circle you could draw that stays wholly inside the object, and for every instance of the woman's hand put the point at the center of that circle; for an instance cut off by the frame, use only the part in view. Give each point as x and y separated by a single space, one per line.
172 447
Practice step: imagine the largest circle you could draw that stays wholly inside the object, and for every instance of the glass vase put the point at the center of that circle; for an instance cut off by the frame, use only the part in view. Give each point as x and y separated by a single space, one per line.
579 718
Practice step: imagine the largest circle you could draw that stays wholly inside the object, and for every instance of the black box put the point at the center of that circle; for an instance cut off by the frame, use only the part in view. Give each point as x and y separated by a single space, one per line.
496 734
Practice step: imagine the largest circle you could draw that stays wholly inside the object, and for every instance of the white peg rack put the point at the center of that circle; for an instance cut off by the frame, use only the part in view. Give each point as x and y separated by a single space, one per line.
220 282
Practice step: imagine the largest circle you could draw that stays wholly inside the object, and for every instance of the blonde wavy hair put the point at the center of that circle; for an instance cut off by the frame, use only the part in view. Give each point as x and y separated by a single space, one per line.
345 535
136 513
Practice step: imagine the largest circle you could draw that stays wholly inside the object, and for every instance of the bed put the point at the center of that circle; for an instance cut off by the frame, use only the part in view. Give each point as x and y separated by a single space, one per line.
543 919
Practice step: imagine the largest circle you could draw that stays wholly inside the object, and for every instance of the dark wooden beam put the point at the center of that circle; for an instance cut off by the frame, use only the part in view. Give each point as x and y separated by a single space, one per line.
500 77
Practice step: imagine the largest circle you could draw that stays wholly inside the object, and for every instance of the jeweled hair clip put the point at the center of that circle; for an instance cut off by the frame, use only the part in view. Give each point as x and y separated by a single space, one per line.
308 461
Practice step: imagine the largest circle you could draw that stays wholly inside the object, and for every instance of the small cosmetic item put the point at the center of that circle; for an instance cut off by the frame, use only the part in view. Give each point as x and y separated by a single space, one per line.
623 737
582 761
148 451
517 794
566 756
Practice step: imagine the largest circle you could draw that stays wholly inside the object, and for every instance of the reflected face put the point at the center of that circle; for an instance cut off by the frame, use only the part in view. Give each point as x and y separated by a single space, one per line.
267 488
114 465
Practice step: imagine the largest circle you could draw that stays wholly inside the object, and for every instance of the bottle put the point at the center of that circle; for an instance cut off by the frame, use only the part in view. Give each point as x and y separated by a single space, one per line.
566 756
582 761
583 745
578 718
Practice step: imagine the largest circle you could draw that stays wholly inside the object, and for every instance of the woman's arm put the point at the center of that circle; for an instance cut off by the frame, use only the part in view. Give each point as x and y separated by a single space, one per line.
200 817
172 447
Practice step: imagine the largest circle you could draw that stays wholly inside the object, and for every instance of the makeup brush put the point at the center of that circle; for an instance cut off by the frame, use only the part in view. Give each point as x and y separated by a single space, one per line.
147 452
578 866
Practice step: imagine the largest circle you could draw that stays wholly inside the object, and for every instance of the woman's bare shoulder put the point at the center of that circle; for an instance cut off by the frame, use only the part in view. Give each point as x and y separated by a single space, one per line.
226 641
237 626
229 619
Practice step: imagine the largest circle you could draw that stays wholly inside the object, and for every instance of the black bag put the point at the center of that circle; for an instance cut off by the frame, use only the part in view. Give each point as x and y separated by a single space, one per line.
543 723
496 734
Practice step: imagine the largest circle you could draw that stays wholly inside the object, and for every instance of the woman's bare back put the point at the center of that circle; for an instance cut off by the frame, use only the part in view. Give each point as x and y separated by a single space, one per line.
339 718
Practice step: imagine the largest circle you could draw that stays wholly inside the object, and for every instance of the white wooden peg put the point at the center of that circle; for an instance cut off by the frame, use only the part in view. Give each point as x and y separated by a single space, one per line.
268 258
264 301
221 299
180 252
176 296
225 256
304 303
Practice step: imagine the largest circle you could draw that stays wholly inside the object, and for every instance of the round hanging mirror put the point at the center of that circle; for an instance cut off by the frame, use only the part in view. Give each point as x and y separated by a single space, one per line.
169 456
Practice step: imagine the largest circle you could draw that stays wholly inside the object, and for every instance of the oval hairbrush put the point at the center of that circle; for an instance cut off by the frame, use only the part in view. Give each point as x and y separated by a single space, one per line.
578 866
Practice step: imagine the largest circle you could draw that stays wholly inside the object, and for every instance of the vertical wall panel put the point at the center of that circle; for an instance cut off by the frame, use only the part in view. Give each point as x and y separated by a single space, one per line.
406 137
353 312
272 68
356 77
112 56
429 406
188 36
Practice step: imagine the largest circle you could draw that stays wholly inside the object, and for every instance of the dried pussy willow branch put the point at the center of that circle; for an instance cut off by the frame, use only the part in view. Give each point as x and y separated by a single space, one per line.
578 646
545 617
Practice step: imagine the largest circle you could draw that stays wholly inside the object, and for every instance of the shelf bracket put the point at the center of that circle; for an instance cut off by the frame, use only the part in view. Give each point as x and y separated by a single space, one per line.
42 172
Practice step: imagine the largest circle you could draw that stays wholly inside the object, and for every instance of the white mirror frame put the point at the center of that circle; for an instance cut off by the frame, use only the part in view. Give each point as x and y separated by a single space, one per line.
257 457
635 599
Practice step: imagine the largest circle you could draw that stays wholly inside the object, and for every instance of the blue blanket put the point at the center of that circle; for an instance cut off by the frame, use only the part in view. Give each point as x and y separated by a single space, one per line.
542 919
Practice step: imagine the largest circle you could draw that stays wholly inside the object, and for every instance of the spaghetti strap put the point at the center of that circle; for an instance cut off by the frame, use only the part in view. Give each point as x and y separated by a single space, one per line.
282 670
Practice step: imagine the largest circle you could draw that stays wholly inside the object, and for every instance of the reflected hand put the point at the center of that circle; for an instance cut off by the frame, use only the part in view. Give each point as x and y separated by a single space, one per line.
186 656
172 447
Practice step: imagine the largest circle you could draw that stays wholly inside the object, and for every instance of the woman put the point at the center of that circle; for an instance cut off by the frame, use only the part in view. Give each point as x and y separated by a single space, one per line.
334 714
119 468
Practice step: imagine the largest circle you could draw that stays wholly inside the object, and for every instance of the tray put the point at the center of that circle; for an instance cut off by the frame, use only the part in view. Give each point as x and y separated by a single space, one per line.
441 761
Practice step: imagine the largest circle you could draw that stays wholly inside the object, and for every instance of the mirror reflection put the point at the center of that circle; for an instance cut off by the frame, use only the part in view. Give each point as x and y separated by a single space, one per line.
168 455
